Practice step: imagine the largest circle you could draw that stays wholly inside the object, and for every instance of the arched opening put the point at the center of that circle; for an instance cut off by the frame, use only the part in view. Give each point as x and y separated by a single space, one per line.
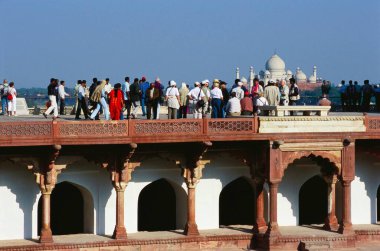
378 204
157 207
236 203
71 210
313 201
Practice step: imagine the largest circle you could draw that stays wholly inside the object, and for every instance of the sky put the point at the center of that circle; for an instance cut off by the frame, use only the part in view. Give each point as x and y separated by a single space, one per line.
185 40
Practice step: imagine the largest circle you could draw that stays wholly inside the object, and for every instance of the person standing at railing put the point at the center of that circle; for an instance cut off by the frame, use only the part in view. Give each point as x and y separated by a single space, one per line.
197 104
216 100
135 94
172 97
226 97
284 93
350 93
183 101
62 95
53 99
272 93
4 88
367 94
12 99
377 97
144 85
358 96
239 91
127 98
343 95
152 96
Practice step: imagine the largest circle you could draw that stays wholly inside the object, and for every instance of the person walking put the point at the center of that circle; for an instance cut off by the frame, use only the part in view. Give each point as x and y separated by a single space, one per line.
152 96
127 99
62 96
144 85
82 105
183 101
53 99
135 94
116 99
4 88
98 97
12 93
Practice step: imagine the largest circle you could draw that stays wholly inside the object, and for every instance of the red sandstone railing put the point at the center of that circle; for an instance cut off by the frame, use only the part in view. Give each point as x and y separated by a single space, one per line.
70 132
372 123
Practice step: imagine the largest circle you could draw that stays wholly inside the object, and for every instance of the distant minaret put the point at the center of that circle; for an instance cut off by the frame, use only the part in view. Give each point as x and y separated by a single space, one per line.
315 71
237 73
251 77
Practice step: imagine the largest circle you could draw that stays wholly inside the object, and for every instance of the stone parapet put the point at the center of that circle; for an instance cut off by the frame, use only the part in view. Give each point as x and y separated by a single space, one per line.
311 124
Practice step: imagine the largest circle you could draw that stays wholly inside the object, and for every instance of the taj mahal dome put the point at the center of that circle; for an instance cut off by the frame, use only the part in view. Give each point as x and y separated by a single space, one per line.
275 68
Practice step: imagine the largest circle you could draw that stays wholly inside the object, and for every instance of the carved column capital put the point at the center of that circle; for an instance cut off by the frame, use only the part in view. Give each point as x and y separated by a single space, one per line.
193 175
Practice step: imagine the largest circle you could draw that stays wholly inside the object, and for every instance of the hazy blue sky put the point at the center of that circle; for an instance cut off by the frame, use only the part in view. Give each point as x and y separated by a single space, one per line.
185 40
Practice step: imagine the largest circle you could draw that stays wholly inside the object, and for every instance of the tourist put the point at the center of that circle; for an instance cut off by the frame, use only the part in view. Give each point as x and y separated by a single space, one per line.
350 96
93 86
160 88
272 93
233 107
226 97
62 95
244 87
367 94
76 92
53 99
377 97
135 94
82 104
98 97
261 101
207 97
196 101
4 88
343 95
127 99
256 89
116 100
152 96
294 92
216 100
12 93
246 105
358 96
183 101
172 98
239 91
144 85
325 87
284 93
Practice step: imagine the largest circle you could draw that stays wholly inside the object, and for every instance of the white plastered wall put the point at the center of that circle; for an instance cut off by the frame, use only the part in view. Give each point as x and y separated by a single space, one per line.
288 192
364 189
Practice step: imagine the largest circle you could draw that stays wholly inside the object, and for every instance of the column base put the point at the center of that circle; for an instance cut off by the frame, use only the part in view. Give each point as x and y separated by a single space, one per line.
46 236
191 229
272 230
346 229
331 224
260 226
120 233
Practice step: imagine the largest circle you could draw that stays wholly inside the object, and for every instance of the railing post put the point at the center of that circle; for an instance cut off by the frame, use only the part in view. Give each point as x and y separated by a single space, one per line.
55 129
130 128
205 126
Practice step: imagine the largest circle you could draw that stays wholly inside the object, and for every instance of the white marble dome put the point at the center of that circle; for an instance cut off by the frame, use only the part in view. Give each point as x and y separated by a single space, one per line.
275 63
313 79
300 76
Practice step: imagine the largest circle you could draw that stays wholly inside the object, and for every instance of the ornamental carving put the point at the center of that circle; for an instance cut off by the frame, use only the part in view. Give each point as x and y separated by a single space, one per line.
314 118
29 129
92 128
156 127
230 126
373 124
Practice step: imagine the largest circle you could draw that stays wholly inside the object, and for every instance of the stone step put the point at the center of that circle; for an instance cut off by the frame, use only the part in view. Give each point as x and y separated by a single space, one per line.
314 245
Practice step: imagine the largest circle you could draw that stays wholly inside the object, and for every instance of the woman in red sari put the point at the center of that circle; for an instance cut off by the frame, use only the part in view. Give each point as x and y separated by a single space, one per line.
116 99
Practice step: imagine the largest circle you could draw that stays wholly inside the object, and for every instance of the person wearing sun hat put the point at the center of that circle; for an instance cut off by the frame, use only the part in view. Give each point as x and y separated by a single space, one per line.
195 95
172 97
216 100
272 93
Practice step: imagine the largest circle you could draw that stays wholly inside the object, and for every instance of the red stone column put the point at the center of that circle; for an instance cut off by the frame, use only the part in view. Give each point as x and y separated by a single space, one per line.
346 224
273 225
120 233
46 235
331 222
260 223
191 227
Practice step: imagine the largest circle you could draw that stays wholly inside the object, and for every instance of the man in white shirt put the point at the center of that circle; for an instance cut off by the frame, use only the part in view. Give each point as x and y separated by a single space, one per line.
127 99
216 100
233 107
196 95
62 95
239 91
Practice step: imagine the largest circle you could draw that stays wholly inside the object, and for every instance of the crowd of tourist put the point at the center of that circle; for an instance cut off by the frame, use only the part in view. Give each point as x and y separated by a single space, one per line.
124 100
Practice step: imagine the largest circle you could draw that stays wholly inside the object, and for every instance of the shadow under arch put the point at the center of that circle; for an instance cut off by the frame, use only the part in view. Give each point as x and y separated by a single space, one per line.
162 206
72 209
237 203
313 201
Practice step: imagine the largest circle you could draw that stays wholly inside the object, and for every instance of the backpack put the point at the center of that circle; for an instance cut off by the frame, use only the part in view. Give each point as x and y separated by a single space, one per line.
4 91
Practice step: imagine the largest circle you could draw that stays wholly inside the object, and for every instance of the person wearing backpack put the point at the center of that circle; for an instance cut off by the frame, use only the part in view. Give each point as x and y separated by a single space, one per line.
4 88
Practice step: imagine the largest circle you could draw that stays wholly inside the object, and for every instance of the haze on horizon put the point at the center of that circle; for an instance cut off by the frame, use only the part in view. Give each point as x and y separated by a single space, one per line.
185 40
